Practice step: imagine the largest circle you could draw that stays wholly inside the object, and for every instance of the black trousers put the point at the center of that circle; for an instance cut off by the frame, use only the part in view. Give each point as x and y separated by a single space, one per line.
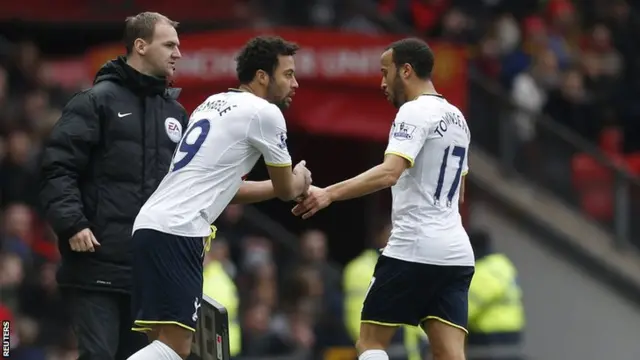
102 324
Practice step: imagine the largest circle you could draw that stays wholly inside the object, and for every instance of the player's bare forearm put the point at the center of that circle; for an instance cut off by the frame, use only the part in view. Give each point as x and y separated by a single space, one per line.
253 192
375 179
462 189
370 181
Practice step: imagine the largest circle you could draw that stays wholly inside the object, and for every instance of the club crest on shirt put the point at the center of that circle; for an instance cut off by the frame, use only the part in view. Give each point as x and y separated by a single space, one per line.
403 131
173 128
282 140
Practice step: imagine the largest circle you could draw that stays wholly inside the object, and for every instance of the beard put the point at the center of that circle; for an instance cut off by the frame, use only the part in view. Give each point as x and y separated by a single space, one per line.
398 99
274 98
282 105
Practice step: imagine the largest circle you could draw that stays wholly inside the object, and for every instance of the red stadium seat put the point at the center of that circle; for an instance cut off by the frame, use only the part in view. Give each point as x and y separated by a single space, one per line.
597 202
611 140
594 185
633 163
586 170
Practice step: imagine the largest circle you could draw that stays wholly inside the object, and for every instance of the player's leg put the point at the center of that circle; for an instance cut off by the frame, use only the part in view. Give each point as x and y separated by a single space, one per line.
176 337
389 303
447 314
374 339
167 293
152 335
446 341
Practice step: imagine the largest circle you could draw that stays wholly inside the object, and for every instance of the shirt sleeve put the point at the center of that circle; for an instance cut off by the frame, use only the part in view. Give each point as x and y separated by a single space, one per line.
269 136
408 134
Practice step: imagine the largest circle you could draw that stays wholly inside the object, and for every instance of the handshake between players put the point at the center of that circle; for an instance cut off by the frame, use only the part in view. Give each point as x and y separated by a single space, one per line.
302 176
313 199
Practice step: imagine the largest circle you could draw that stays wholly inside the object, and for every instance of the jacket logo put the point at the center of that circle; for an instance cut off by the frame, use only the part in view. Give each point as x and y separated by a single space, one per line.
121 115
173 128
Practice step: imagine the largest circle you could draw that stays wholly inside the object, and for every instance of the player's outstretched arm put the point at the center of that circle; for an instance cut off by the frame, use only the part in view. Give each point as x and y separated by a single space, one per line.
257 191
251 192
377 178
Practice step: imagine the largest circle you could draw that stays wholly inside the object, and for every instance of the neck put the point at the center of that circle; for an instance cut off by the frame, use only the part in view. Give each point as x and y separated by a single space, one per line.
137 63
422 88
255 90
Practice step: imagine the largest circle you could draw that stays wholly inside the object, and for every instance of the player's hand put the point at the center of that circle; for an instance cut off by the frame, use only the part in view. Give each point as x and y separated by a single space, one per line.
84 241
315 200
301 170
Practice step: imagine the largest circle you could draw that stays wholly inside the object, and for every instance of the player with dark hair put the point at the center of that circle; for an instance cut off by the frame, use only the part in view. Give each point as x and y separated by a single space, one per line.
226 136
423 275
262 54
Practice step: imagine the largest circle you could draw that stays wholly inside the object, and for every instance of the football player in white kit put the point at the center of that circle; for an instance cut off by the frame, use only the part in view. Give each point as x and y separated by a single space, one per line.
226 136
423 275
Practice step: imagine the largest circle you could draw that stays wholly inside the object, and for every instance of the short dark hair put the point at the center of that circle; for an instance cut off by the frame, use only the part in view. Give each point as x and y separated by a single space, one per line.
261 53
142 26
416 53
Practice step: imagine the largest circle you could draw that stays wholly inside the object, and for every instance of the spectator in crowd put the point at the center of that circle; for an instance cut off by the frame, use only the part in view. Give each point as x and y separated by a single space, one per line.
234 227
496 312
530 89
219 285
314 253
11 278
573 106
314 260
20 165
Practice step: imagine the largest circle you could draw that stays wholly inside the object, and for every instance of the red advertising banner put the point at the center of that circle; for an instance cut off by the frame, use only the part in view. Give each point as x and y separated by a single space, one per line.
339 76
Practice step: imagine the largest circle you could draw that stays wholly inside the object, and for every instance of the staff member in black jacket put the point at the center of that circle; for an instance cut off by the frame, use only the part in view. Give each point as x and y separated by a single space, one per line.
105 157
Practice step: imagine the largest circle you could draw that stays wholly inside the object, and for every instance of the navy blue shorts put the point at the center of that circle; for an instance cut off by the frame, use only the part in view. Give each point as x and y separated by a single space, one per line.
409 293
167 279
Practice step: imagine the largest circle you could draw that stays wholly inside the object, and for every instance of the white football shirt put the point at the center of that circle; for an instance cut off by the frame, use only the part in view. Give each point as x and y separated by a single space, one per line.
433 136
225 137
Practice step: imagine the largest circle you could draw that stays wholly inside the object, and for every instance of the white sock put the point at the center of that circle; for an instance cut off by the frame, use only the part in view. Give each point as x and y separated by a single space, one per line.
374 355
157 350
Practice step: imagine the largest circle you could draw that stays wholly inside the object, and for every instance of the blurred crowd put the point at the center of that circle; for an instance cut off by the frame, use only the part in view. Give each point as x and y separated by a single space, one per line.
575 62
29 107
288 303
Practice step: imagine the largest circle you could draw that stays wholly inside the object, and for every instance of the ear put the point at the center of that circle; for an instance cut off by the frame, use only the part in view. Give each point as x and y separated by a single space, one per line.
140 46
262 77
406 70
